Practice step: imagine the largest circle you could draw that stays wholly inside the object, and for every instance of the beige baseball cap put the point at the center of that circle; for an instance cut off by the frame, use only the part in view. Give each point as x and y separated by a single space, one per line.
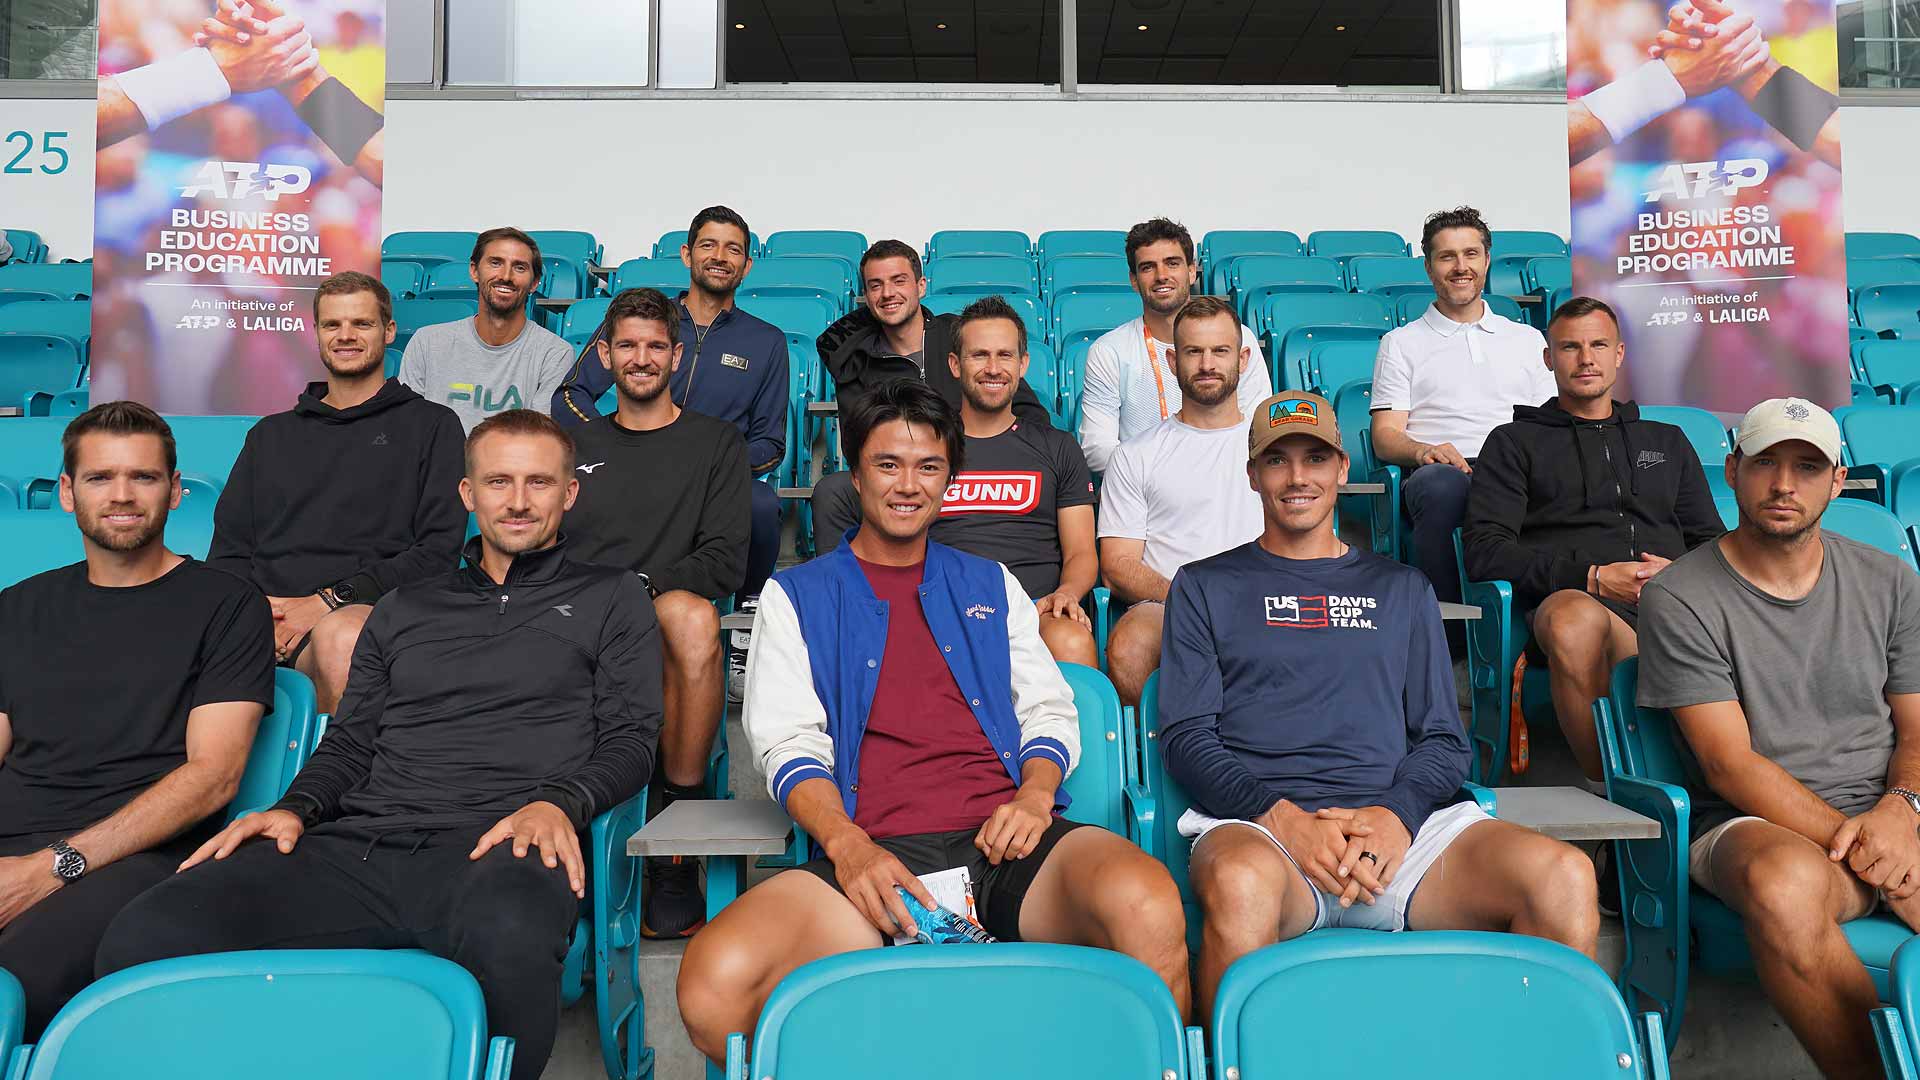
1292 413
1778 420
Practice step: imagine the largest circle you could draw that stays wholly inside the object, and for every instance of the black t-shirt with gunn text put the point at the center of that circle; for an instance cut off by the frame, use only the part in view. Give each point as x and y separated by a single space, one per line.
1005 504
97 683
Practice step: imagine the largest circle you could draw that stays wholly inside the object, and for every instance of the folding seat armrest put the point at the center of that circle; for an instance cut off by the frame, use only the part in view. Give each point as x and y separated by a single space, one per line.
736 1056
1896 1053
1141 806
1481 795
1653 1045
499 1058
1384 516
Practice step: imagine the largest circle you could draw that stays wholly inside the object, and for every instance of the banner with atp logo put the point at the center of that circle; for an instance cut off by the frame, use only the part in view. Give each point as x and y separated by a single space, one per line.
240 157
1704 146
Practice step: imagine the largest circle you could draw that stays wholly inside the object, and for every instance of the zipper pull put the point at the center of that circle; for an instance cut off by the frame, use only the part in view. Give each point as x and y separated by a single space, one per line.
503 603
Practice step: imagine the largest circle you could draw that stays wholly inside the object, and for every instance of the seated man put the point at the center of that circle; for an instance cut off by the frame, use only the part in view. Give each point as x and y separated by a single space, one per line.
1130 385
1177 493
890 336
1445 380
1791 660
351 493
1307 706
493 710
1026 499
1580 534
868 712
499 359
130 688
663 492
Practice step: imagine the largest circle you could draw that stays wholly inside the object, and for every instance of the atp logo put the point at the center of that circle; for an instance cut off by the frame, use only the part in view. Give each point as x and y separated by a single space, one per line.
1699 179
481 396
243 179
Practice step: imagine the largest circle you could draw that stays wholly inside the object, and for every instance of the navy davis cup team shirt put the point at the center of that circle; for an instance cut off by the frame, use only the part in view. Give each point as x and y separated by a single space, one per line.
1005 504
1321 681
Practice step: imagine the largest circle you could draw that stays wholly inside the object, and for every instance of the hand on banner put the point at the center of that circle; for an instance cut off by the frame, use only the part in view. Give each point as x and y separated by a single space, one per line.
256 55
1795 107
1735 50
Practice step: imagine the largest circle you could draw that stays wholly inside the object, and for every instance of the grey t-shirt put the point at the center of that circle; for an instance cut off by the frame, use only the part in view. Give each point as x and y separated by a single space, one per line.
448 363
1812 675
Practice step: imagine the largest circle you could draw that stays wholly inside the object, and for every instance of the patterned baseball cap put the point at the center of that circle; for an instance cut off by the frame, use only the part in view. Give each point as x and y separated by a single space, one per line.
1292 413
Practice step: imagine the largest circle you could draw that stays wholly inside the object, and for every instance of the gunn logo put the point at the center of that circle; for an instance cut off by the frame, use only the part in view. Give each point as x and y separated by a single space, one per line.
242 179
992 493
1698 179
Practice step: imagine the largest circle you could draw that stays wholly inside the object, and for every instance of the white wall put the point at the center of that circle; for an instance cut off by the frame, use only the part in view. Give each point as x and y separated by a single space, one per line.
632 169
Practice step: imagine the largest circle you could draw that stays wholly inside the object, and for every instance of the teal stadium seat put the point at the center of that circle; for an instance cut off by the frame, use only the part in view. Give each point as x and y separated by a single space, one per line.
388 1013
431 248
1894 1027
842 244
38 541
1887 310
1255 277
13 1014
1410 305
1344 243
1071 274
583 317
1866 273
1489 1006
70 319
670 243
1028 306
450 281
1099 785
403 278
1507 275
1549 275
801 275
1891 367
208 445
1875 438
1494 644
1388 275
1870 524
45 281
807 315
30 454
1882 245
1291 355
1085 316
981 275
572 249
979 242
32 363
1284 311
1706 435
281 744
1220 247
1334 365
67 403
1039 1011
27 247
669 275
1527 242
1057 242
410 315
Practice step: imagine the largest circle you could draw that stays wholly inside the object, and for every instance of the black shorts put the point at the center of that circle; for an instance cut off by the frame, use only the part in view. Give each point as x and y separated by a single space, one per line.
1629 614
998 891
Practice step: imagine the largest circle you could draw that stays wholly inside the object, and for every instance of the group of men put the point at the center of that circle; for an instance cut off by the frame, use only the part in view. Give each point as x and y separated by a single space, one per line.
902 693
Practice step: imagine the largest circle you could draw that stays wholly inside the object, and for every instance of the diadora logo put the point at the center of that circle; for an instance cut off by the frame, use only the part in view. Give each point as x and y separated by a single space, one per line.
1292 411
1319 612
481 396
980 611
1699 179
565 610
588 469
1648 459
1014 492
242 179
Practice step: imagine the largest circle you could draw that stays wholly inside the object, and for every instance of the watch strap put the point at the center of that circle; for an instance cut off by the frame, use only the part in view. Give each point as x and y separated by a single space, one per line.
1911 796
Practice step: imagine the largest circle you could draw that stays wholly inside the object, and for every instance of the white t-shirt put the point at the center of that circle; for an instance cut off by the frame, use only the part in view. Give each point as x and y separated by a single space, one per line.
1458 381
1121 400
1184 491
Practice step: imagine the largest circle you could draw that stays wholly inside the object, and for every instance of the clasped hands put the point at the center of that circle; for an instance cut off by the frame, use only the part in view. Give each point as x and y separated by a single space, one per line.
1349 854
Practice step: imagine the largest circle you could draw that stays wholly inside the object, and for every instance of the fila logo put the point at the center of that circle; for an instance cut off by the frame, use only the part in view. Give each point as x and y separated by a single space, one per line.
565 610
732 361
979 611
1014 492
588 469
1320 612
484 398
1648 459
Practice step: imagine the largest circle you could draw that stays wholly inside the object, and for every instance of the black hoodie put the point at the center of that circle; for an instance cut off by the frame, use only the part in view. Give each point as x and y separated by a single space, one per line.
854 351
367 496
1553 495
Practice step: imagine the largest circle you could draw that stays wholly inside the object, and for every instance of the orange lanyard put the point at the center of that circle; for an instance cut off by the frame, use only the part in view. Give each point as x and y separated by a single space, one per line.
1153 361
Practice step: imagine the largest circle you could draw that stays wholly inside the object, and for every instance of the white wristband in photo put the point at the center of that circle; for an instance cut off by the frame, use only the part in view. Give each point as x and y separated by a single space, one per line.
169 89
1627 104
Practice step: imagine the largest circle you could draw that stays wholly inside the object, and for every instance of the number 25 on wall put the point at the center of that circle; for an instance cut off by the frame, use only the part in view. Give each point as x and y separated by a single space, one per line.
53 157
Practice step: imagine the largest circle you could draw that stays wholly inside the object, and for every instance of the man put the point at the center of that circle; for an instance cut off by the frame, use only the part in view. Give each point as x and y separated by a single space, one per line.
1579 503
492 710
890 338
1026 498
1130 388
907 715
744 381
348 495
130 688
1175 494
663 492
497 360
1442 382
1791 660
1307 707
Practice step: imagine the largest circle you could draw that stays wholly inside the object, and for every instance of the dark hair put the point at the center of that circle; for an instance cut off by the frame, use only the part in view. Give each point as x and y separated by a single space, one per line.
1581 306
116 418
989 307
902 399
890 249
506 232
1460 217
519 422
650 304
1202 307
349 282
1154 231
725 215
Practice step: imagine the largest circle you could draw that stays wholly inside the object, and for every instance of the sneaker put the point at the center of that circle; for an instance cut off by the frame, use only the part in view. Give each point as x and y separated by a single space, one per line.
1608 873
676 907
738 642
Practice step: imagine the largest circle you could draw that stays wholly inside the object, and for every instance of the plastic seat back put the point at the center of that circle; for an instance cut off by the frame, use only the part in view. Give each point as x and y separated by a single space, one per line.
281 745
61 281
1388 273
208 445
1893 364
30 448
71 319
1285 311
842 244
1057 242
801 275
1353 413
1549 275
1880 434
1706 434
1251 273
1882 308
13 1013
1335 243
1097 786
670 243
1292 354
37 541
1882 245
32 362
1068 1013
388 1013
1286 1010
1527 242
1085 273
450 281
1170 800
980 275
411 315
979 242
574 245
1027 305
1870 524
669 275
1867 273
26 244
1222 246
584 316
430 249
807 315
403 278
1091 314
1333 365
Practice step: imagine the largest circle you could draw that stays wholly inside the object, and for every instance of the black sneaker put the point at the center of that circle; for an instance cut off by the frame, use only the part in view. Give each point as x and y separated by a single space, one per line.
676 907
1608 874
738 642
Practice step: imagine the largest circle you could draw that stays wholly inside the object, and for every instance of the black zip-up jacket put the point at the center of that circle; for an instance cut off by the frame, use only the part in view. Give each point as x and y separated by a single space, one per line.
855 354
469 699
367 496
1553 495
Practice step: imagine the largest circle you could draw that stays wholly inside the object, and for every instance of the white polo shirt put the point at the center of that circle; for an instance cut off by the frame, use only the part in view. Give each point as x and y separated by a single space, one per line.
1121 398
1458 381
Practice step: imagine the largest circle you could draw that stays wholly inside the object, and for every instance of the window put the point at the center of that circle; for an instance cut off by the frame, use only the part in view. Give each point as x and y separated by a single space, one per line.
1512 45
547 42
1879 42
410 41
893 41
47 39
1259 42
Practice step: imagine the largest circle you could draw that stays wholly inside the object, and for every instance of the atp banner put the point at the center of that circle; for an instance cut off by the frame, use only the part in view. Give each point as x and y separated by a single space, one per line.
239 165
1705 186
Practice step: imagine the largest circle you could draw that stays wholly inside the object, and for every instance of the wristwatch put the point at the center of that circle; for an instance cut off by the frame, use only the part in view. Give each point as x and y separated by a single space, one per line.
1912 797
337 596
647 583
68 863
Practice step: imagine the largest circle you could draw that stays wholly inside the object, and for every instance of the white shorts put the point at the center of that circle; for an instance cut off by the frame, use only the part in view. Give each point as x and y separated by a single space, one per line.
1700 859
1389 911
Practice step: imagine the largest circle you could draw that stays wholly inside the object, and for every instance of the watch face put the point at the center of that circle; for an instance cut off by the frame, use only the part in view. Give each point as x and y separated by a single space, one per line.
69 864
343 593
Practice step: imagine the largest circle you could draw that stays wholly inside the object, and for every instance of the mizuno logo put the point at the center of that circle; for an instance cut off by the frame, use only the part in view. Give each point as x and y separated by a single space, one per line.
588 469
564 609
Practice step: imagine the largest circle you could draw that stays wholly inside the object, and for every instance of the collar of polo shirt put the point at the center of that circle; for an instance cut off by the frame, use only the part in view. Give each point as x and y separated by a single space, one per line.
1446 327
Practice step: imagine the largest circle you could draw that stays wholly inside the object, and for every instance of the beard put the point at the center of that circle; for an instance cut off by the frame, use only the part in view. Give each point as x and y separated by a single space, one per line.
372 359
94 527
492 305
640 397
1169 306
1210 398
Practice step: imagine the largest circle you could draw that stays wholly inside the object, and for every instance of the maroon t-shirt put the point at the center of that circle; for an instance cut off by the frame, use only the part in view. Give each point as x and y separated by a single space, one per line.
925 764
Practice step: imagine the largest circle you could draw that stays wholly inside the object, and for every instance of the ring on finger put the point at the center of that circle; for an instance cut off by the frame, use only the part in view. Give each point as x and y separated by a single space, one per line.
1370 857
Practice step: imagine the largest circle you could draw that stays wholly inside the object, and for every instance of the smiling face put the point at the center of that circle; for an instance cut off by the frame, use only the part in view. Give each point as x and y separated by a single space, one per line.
1298 478
1163 275
1457 265
120 490
353 336
1584 354
901 475
717 259
641 357
505 273
990 362
1207 357
892 290
1783 490
518 487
